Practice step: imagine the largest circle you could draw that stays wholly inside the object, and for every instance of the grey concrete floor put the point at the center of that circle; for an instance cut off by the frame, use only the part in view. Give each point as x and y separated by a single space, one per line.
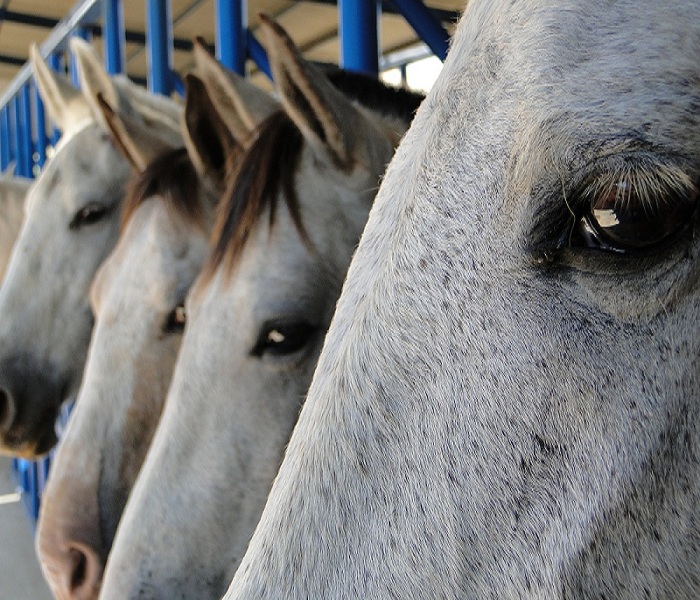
20 574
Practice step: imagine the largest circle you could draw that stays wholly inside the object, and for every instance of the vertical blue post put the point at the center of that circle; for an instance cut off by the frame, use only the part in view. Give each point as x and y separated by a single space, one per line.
41 140
231 24
426 25
23 139
56 64
113 32
12 114
26 107
159 45
5 154
257 53
359 36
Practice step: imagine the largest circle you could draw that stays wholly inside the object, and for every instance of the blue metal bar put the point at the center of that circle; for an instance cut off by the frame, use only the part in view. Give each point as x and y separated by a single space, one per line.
257 53
159 44
11 130
231 22
23 132
114 35
426 25
359 37
5 150
176 84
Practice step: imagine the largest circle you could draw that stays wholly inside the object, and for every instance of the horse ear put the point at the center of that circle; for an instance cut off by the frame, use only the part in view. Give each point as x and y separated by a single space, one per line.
328 120
207 137
9 172
65 105
139 144
157 113
240 104
94 79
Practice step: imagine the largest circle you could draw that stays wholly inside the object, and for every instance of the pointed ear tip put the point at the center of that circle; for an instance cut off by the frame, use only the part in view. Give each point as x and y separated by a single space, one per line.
269 25
35 55
200 43
78 45
104 105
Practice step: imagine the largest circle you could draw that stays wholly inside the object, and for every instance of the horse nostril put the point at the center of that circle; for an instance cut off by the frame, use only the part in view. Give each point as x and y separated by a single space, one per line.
85 573
7 411
77 578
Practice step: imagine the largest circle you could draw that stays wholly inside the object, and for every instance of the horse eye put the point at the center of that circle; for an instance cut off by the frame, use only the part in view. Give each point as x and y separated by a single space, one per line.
176 320
281 339
623 219
88 214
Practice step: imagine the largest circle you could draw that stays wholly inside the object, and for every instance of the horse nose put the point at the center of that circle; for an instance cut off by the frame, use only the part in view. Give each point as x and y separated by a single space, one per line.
69 543
74 572
30 399
84 572
8 410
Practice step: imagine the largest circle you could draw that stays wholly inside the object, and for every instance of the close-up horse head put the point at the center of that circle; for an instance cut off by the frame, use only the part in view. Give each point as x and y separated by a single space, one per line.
289 219
506 403
138 301
71 224
331 338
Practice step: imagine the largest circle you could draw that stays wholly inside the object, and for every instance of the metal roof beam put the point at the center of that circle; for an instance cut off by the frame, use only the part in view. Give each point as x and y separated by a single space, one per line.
133 37
16 61
12 16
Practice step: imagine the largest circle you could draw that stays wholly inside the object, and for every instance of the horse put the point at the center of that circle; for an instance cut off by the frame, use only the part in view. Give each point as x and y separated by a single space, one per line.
13 191
289 221
506 403
138 302
71 224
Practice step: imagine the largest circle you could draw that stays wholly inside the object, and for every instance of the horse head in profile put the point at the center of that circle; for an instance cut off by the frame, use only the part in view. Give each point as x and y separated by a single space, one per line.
289 220
13 192
71 224
138 301
507 400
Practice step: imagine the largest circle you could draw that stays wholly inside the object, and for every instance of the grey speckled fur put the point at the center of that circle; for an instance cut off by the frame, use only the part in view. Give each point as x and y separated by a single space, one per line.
493 416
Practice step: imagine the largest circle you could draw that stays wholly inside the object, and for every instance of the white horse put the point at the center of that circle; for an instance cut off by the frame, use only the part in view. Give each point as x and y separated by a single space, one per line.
13 191
257 317
71 224
507 401
137 298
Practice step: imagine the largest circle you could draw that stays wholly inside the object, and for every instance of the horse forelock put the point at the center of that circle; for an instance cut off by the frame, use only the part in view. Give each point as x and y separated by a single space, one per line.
269 165
267 168
173 178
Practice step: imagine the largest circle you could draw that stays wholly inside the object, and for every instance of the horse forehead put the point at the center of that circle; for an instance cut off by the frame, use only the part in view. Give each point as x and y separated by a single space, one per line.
160 239
76 168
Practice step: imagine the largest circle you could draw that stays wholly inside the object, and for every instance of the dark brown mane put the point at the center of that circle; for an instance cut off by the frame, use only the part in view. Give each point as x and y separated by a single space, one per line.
267 167
173 178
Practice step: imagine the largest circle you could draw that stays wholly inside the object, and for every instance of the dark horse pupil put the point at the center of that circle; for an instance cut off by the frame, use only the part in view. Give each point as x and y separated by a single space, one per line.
625 221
